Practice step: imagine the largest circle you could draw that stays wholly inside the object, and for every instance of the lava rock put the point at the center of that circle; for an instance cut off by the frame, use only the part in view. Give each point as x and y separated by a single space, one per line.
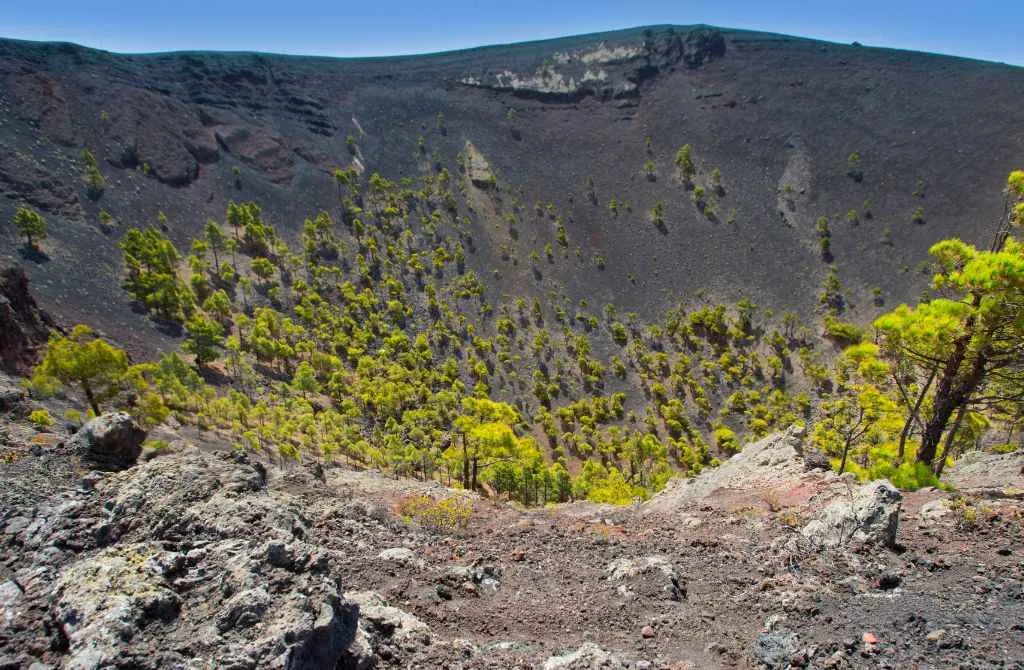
110 442
24 328
776 649
870 517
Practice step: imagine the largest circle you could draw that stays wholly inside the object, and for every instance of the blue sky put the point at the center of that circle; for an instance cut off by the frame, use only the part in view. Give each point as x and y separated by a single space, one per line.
980 29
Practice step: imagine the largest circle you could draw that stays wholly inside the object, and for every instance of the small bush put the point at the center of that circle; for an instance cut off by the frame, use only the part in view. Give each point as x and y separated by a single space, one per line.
843 332
445 514
41 418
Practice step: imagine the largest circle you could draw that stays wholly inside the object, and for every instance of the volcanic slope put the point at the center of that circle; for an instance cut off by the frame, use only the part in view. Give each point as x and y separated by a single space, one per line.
576 123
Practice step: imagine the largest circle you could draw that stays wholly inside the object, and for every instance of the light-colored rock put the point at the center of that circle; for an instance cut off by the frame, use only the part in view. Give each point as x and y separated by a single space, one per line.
648 577
775 462
988 475
10 595
589 656
375 615
870 516
104 601
402 555
933 511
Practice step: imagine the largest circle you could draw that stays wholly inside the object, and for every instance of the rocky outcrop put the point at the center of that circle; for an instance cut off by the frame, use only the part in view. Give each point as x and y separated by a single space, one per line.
478 169
109 442
259 148
988 475
870 516
776 471
24 327
608 70
187 560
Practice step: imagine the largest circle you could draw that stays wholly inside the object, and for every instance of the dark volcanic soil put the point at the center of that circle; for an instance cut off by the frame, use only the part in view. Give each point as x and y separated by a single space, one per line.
185 133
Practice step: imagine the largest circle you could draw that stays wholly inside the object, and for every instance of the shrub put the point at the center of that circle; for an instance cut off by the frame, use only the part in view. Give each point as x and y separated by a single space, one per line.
41 418
445 514
843 332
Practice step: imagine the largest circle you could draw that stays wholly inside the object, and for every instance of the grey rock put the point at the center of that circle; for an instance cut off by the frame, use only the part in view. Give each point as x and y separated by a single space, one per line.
988 475
243 610
111 442
322 646
104 601
814 459
10 596
646 577
280 555
871 516
776 649
932 512
10 392
402 555
588 656
377 617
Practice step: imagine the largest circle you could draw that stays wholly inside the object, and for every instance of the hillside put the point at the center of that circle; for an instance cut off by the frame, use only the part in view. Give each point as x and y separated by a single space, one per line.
564 354
569 122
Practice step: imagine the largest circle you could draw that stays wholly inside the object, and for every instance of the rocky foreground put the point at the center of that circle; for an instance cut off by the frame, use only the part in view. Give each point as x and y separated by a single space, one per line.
200 557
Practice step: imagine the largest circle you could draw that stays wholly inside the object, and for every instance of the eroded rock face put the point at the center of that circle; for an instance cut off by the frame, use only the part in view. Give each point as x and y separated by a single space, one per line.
109 442
24 327
871 516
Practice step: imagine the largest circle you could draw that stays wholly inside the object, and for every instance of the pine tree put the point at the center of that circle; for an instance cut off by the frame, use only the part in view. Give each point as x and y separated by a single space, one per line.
31 224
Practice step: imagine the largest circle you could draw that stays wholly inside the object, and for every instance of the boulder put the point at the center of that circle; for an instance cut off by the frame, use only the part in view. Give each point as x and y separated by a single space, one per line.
322 646
775 650
646 577
587 656
870 516
110 442
10 392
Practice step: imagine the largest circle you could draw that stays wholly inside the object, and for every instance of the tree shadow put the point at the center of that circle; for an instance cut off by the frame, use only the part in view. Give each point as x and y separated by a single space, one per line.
33 254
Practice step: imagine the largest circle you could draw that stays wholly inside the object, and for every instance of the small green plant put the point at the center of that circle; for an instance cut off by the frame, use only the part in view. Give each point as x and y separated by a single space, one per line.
684 161
843 332
657 214
918 215
446 514
94 182
968 513
41 418
853 166
650 170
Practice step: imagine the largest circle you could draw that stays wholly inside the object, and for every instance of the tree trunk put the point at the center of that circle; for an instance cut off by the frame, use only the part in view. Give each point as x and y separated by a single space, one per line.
91 398
950 440
465 465
475 467
949 396
914 415
846 452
